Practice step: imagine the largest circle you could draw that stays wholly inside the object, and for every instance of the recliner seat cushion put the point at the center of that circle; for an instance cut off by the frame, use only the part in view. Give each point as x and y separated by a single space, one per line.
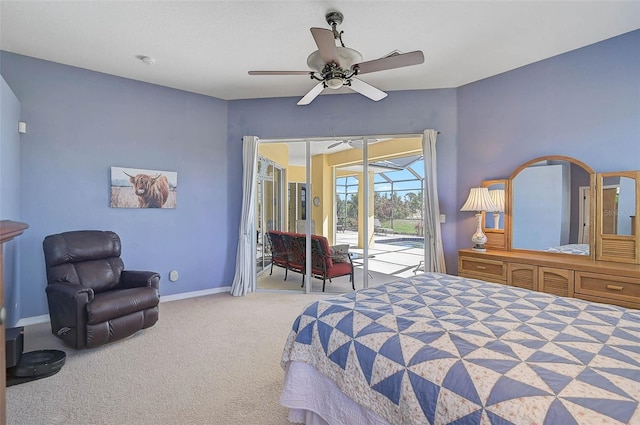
113 304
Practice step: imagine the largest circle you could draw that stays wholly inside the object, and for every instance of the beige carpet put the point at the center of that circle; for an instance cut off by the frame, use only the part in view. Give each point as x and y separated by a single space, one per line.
338 285
208 360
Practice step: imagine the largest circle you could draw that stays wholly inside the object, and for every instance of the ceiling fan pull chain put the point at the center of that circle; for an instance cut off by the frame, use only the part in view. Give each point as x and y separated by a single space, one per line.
338 36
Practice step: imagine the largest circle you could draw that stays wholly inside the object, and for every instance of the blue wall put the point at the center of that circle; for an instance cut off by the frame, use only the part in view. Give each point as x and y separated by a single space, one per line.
401 112
80 123
584 104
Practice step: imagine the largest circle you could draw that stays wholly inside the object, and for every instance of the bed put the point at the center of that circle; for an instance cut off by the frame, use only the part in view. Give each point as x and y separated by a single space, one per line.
573 248
441 349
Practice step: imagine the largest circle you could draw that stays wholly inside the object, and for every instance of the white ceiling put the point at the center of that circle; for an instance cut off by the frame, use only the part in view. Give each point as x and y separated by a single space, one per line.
207 47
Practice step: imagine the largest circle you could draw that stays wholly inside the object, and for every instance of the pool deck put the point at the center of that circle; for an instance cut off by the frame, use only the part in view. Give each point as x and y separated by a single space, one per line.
395 260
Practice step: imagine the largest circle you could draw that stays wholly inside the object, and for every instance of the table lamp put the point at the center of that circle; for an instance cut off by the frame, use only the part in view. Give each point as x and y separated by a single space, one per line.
479 200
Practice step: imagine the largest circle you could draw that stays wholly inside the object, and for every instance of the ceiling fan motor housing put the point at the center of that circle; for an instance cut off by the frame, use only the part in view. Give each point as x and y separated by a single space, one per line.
348 57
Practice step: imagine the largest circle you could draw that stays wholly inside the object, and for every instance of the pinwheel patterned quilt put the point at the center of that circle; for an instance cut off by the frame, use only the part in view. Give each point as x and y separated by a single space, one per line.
574 248
441 349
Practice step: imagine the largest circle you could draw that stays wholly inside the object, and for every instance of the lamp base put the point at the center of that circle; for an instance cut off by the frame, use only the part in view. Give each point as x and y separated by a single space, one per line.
479 238
496 221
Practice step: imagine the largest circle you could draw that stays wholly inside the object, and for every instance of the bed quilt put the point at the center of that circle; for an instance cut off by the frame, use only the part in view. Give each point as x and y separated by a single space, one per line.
441 349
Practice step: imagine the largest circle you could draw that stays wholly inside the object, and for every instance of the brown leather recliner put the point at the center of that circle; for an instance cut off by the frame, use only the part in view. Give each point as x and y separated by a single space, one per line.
92 299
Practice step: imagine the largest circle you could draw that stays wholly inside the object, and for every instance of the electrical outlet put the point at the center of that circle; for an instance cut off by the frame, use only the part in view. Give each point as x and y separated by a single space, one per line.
173 275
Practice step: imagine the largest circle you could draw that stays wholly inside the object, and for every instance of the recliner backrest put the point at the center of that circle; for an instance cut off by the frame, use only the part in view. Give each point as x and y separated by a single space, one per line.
90 258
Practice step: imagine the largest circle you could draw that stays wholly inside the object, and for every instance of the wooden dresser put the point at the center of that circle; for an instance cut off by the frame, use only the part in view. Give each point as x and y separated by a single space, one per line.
564 275
8 231
556 210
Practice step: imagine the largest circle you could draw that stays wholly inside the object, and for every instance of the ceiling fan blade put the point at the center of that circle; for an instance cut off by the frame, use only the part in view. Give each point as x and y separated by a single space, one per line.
326 45
279 72
313 93
367 90
390 62
333 145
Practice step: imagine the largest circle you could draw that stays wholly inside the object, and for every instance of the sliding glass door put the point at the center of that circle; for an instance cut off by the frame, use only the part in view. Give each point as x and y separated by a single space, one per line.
269 208
348 209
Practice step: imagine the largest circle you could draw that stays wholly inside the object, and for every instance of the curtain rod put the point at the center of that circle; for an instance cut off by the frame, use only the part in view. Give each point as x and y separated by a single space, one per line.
332 138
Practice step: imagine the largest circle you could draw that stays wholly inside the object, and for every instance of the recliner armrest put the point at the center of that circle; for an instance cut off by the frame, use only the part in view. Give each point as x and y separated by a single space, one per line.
139 279
67 309
69 291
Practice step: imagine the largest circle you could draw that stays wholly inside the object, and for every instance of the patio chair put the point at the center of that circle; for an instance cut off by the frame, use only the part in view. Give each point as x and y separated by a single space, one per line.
377 227
278 252
322 264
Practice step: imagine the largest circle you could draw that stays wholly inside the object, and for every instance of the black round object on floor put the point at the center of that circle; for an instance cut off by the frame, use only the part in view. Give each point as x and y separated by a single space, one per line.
38 364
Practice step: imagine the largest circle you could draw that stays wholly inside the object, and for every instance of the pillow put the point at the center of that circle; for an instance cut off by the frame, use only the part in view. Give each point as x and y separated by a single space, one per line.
340 253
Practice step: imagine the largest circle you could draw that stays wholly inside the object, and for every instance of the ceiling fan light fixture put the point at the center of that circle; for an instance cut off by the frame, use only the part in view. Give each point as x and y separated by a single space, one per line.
335 83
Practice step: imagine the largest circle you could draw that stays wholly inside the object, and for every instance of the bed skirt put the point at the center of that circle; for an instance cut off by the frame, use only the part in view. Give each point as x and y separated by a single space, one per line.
313 399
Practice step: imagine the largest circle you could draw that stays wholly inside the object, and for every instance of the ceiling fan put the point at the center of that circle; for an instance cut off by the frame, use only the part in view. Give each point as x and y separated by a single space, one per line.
337 66
352 143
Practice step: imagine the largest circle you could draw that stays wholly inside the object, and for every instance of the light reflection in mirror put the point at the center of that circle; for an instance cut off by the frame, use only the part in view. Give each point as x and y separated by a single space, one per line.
495 219
618 205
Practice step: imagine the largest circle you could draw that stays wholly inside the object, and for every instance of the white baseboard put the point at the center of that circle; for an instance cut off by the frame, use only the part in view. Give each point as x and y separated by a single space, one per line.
194 294
34 320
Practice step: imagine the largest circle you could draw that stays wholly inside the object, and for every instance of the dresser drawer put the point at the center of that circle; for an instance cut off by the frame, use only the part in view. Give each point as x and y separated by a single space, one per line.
608 286
556 281
481 268
522 276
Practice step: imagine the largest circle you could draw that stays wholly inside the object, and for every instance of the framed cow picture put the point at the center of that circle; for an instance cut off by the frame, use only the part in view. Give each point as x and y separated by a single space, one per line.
140 188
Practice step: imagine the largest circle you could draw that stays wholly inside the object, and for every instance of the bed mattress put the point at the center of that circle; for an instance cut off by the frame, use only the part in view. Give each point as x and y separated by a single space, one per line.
441 349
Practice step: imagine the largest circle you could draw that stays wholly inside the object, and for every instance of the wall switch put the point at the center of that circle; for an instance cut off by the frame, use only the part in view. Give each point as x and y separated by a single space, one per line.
443 218
173 275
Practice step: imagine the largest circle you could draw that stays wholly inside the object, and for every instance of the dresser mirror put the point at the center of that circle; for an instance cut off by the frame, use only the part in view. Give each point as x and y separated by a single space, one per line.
551 206
618 206
493 222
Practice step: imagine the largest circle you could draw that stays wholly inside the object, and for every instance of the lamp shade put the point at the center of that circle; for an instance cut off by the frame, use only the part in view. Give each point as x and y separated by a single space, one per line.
479 200
497 196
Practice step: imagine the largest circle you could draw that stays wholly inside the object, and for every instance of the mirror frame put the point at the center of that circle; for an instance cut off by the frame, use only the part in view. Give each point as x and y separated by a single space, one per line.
592 206
497 238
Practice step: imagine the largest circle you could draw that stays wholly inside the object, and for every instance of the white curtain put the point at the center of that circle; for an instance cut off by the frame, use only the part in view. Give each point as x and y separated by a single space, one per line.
433 251
244 280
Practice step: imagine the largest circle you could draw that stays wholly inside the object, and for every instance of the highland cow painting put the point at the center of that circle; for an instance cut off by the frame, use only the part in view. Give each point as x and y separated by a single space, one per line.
139 188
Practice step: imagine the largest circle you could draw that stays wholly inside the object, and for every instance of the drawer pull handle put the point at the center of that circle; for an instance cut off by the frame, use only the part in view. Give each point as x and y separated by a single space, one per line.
615 287
481 267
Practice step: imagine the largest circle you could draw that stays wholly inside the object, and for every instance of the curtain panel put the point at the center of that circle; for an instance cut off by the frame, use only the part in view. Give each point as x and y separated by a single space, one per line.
433 251
244 280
